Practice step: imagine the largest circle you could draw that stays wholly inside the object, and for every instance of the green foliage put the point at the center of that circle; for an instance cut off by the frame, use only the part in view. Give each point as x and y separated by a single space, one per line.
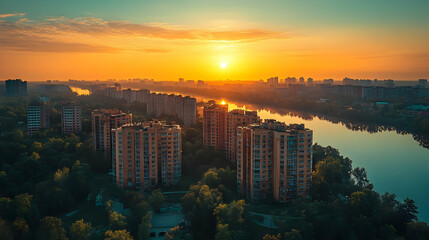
117 220
50 228
231 214
272 237
202 199
293 235
5 230
80 230
144 227
117 235
156 199
222 232
417 231
197 159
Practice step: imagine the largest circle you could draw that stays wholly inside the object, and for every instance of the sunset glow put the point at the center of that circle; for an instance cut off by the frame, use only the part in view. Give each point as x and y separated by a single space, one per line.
115 40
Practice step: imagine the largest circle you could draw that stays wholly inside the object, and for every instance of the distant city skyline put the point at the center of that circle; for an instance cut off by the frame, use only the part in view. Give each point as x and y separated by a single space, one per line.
213 40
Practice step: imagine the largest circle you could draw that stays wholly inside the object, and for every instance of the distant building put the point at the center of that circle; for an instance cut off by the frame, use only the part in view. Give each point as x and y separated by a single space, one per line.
181 80
189 111
234 119
301 80
118 87
71 121
2 89
16 87
274 160
129 95
309 81
273 80
37 118
143 96
103 121
184 107
389 83
423 83
147 154
200 83
328 81
290 80
214 120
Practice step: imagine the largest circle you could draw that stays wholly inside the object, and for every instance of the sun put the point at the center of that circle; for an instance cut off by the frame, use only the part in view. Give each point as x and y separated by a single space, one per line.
223 65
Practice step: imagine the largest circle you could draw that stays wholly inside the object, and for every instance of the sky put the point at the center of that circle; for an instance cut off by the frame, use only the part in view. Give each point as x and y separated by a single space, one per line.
213 40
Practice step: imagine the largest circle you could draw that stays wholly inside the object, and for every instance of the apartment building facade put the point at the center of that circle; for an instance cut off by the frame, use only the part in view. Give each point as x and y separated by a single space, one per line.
274 160
103 121
71 121
214 121
146 154
37 118
234 119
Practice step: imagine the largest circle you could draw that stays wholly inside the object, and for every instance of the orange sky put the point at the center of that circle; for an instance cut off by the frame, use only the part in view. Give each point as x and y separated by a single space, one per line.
96 48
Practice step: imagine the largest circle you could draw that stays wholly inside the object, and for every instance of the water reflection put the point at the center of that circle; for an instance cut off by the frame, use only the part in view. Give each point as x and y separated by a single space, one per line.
80 91
351 125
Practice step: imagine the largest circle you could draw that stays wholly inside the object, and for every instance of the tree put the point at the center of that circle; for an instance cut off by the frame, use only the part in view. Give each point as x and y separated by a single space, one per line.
116 220
5 231
293 235
20 228
80 230
145 226
387 232
198 205
332 177
117 235
360 176
156 199
50 228
222 232
173 234
365 202
22 204
37 147
272 237
230 214
407 211
417 231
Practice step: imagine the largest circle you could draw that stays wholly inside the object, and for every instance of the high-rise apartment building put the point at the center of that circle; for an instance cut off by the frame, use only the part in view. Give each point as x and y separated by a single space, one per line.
103 121
234 119
184 107
189 111
71 121
274 160
143 96
37 118
147 154
16 87
214 120
129 95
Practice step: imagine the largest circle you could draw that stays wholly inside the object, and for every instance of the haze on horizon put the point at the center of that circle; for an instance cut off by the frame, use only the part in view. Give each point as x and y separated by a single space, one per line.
197 39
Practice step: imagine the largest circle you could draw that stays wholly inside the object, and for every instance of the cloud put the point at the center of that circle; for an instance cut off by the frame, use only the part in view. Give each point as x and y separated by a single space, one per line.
11 15
42 45
59 34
